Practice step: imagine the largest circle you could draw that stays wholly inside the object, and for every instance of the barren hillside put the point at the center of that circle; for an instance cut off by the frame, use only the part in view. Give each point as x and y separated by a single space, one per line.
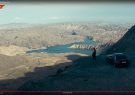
126 43
39 36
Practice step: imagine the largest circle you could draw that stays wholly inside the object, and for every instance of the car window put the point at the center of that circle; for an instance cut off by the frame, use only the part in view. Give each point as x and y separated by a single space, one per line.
119 57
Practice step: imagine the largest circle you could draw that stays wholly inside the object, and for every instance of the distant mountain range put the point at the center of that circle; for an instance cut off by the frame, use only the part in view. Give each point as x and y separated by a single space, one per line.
14 25
42 35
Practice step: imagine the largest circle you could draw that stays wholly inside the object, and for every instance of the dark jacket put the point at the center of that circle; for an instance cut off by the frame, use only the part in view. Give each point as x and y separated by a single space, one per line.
94 53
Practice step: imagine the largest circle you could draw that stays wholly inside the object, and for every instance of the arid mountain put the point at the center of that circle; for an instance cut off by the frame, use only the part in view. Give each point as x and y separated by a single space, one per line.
43 71
126 43
39 36
86 74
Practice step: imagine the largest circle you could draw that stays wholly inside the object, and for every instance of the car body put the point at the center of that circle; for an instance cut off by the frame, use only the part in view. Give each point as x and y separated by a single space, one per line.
118 59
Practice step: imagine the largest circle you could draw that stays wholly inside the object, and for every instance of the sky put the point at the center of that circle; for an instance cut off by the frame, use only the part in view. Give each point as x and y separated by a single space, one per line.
66 12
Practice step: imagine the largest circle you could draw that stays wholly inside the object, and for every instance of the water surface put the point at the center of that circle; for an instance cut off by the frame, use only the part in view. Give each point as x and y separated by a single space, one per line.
66 49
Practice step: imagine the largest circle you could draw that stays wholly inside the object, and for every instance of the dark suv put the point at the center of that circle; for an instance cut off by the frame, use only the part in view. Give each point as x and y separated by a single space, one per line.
118 59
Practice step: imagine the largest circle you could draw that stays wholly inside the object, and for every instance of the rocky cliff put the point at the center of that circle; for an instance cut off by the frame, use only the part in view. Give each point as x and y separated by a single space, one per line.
126 43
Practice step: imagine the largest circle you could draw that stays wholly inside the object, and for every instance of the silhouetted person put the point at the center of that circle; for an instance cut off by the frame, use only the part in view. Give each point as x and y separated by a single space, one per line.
94 54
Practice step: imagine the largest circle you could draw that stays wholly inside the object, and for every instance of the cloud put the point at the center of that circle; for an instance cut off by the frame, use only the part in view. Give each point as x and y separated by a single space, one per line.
19 18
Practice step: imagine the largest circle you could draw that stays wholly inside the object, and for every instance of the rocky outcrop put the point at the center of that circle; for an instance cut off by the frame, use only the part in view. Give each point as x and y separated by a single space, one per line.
82 46
125 44
100 46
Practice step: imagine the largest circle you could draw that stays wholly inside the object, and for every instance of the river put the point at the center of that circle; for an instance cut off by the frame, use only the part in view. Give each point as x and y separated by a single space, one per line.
66 49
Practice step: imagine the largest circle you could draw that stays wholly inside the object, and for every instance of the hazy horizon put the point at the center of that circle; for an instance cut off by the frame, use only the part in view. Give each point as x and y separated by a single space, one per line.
47 13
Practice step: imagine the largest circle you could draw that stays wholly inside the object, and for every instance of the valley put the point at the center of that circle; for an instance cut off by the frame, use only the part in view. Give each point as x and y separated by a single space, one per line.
35 52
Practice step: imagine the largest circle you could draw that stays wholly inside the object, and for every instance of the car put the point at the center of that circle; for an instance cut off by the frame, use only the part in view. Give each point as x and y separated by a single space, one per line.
118 59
